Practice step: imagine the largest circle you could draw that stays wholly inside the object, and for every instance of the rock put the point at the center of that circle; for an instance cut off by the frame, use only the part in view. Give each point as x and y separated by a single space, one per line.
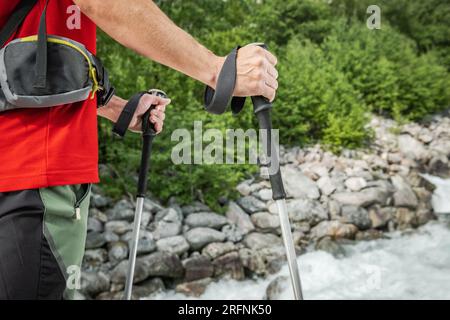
298 185
380 217
195 207
244 188
311 211
162 229
148 287
94 224
332 247
110 236
237 216
199 237
251 205
175 245
193 289
326 185
157 264
229 264
265 194
169 215
97 214
232 233
217 249
276 288
95 240
92 283
411 148
206 219
394 157
151 206
256 241
99 201
197 267
253 261
265 221
93 259
118 227
122 210
405 218
424 216
357 216
404 196
363 198
146 242
118 251
369 235
439 166
334 208
355 183
334 229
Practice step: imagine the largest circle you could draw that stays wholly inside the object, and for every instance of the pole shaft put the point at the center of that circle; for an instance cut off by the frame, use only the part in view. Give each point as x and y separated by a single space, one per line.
134 246
290 249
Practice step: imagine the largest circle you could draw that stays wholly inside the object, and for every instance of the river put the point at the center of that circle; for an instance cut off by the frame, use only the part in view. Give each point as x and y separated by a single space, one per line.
410 265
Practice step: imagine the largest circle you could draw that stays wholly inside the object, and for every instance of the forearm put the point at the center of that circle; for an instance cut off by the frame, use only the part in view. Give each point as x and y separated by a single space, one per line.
140 25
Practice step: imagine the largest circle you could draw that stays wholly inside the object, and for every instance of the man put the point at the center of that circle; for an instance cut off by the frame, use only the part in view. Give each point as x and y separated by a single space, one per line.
49 157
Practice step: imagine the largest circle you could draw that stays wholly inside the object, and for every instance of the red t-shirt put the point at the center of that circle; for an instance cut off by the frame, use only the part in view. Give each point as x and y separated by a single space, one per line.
49 146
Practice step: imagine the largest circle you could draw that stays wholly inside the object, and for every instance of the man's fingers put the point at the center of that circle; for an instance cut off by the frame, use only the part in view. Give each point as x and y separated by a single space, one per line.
272 71
158 114
158 123
272 82
269 92
272 59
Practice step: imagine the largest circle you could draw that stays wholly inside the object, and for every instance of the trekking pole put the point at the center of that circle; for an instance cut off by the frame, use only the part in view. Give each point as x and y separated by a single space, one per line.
216 102
148 134
262 109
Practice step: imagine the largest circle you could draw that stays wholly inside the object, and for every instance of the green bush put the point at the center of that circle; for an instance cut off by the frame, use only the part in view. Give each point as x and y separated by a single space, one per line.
333 71
314 100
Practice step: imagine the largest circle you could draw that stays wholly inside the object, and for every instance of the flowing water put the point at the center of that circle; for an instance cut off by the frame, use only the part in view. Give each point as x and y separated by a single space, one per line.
412 265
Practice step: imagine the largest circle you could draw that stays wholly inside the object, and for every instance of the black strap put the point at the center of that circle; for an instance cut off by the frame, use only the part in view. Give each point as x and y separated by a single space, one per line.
216 101
15 20
122 124
41 53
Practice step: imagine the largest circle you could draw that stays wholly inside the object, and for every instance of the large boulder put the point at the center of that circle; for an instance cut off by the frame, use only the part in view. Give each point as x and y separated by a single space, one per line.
411 147
357 216
197 267
298 185
334 229
122 210
304 210
241 219
157 264
265 221
250 204
364 198
404 195
175 245
256 240
206 219
92 283
229 264
194 288
200 237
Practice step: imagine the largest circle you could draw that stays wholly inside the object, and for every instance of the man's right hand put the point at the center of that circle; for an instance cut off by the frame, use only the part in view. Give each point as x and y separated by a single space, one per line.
256 72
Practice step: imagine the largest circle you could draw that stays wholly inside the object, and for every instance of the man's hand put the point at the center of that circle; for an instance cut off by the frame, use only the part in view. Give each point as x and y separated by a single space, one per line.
114 108
144 28
256 72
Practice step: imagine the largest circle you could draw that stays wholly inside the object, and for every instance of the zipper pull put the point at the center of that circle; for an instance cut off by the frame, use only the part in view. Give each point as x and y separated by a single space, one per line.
77 213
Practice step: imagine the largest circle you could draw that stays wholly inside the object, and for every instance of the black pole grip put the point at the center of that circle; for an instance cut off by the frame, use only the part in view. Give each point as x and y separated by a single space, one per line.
262 109
148 134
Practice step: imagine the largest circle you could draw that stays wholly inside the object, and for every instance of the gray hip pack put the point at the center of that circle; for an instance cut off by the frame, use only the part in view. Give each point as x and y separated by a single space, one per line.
43 70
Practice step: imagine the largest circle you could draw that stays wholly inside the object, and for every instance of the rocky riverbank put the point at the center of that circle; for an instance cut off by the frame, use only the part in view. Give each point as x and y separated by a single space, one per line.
332 199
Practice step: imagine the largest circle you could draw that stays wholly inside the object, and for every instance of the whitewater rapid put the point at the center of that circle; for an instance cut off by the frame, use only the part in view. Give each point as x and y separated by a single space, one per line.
411 266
